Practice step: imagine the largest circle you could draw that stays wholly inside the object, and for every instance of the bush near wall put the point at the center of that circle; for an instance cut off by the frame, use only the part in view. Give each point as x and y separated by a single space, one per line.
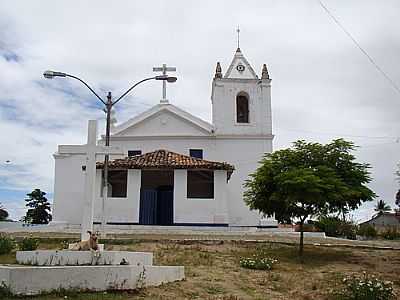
335 227
367 230
28 244
7 244
390 233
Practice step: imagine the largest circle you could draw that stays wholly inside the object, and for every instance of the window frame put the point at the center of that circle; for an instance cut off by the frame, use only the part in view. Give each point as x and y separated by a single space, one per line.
110 185
139 152
245 96
189 194
198 150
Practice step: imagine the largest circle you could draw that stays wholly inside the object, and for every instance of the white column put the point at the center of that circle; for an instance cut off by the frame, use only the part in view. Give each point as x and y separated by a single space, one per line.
90 186
133 192
180 194
220 197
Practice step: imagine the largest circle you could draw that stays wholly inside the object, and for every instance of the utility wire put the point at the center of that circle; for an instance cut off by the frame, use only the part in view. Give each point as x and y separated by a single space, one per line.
339 134
390 80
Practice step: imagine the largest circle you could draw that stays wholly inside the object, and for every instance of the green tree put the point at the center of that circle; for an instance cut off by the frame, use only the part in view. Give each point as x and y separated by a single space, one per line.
308 179
39 208
3 213
382 207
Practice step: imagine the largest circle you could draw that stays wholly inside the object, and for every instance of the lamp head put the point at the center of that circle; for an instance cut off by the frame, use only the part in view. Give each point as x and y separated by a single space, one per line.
166 77
51 74
172 79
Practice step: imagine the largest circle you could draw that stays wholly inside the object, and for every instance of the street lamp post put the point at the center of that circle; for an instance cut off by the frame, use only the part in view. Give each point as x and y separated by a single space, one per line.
109 103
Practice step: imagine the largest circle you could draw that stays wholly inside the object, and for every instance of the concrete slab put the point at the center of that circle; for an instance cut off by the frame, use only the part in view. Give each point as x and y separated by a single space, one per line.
32 280
79 258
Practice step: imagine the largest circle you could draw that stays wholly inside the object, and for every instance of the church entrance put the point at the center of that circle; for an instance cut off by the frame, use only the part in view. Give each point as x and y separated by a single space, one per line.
157 197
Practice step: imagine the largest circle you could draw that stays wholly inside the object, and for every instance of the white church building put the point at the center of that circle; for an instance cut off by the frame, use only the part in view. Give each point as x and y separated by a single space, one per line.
178 169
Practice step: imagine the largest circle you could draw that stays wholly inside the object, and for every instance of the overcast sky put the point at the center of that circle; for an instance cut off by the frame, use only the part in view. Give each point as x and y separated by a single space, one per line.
323 86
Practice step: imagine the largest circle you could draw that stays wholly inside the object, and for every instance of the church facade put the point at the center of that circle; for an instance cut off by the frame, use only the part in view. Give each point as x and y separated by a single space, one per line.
178 169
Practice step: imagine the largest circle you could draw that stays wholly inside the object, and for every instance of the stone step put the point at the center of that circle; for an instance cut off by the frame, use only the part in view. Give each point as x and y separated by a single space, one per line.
33 280
80 258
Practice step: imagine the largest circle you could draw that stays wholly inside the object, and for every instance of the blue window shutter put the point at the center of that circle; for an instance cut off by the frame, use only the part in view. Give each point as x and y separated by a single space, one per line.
134 152
197 153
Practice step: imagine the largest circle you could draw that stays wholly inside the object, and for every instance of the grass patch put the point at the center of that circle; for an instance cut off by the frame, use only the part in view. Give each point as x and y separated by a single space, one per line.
8 259
175 255
313 256
213 271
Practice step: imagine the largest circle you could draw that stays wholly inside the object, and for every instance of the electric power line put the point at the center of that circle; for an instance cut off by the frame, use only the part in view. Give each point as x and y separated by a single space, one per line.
387 77
340 134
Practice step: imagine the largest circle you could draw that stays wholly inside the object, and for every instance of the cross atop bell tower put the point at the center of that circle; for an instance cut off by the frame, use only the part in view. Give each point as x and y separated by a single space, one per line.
238 38
164 70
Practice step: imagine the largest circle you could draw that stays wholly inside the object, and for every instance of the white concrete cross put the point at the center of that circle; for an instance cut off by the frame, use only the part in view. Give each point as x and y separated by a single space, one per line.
164 70
91 149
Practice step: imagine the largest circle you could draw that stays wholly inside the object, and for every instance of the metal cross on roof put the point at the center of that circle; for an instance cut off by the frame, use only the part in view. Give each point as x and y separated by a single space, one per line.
164 70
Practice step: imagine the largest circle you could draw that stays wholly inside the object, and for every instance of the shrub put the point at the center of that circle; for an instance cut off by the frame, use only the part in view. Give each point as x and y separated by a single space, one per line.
5 291
391 234
333 226
329 225
7 244
348 230
64 245
28 244
366 287
367 230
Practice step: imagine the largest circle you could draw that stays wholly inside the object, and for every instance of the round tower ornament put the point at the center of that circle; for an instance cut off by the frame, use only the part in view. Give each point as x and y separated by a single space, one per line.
240 68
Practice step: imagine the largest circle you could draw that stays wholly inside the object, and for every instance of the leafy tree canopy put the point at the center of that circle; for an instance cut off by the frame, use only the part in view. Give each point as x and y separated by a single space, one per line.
3 213
39 208
308 179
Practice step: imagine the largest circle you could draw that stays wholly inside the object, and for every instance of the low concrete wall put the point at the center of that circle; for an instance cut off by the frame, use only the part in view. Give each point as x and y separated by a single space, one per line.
35 280
79 258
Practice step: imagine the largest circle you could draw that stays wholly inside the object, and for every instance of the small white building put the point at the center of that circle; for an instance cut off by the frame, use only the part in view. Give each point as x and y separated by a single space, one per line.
178 169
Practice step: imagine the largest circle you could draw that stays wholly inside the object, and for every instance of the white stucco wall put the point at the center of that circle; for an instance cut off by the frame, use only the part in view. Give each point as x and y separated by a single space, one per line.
162 123
207 211
121 210
224 107
242 152
68 188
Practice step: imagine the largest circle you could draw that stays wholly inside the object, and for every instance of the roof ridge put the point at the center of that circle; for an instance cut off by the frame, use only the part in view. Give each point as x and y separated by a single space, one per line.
163 158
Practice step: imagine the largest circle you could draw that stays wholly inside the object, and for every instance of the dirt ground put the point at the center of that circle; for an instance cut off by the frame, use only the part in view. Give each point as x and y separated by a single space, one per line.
213 272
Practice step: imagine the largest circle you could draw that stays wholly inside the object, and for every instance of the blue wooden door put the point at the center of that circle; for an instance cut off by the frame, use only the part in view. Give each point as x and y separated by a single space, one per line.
148 207
165 207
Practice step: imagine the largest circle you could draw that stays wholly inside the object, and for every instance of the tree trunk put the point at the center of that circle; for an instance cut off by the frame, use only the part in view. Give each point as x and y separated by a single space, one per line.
301 248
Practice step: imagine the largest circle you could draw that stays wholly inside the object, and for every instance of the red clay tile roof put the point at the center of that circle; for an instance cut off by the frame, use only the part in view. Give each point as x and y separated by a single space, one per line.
164 159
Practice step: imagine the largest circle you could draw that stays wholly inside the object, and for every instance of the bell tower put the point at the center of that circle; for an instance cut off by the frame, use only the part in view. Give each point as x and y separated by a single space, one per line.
241 101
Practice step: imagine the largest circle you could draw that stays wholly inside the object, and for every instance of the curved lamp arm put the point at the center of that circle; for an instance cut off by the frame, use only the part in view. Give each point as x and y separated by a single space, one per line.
51 74
77 78
132 87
